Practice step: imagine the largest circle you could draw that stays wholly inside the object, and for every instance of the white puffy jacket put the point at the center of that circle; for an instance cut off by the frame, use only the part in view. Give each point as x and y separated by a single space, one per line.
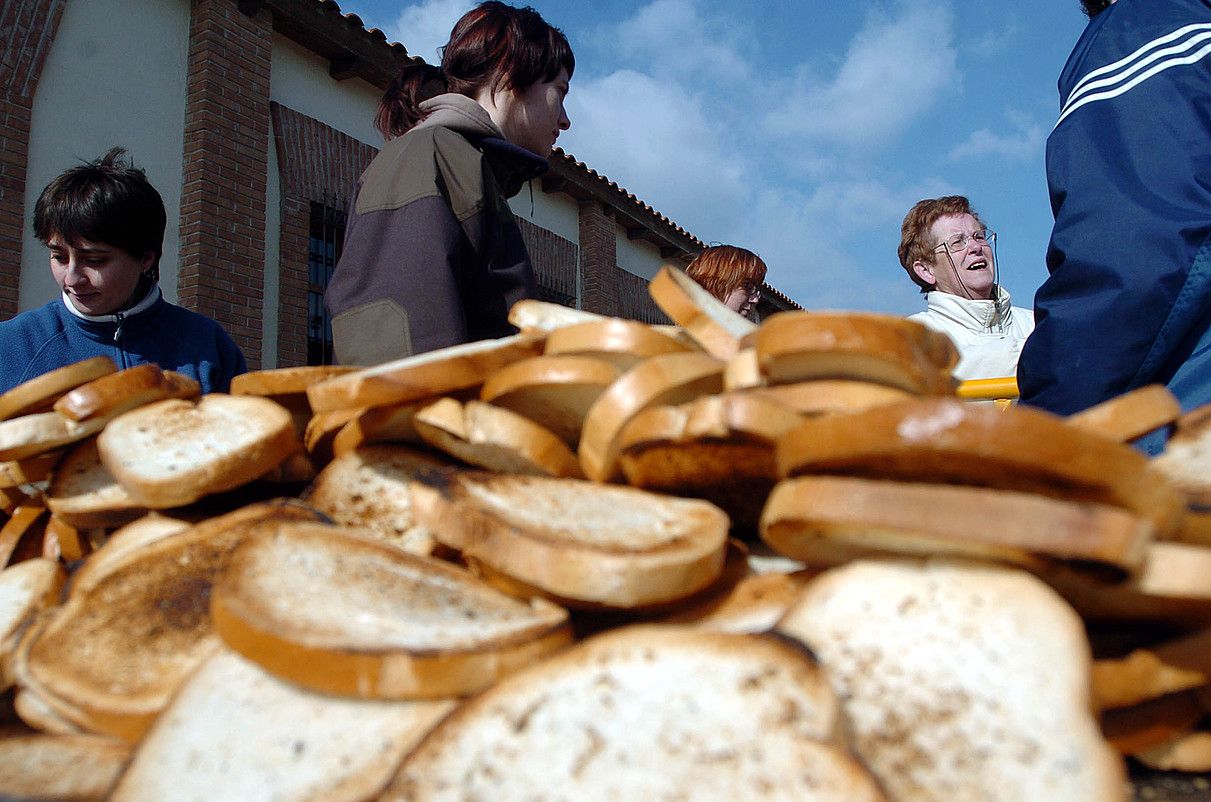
988 348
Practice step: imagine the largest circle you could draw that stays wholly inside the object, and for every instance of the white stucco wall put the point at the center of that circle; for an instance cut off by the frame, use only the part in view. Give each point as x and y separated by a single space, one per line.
300 81
638 257
556 213
115 75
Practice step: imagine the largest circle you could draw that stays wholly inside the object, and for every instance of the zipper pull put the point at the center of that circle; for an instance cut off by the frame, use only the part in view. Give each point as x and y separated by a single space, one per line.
118 330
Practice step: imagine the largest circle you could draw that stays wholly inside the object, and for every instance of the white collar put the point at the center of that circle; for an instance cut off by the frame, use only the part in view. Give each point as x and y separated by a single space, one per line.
148 301
975 314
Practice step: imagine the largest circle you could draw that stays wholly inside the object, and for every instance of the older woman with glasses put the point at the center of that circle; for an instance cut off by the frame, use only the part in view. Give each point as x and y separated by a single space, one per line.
951 255
731 274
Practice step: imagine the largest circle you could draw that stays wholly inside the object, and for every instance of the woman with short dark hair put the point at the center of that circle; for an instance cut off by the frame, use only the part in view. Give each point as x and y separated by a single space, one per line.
433 256
103 222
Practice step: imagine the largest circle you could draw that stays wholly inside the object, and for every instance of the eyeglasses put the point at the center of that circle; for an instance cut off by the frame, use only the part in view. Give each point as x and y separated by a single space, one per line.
959 242
752 291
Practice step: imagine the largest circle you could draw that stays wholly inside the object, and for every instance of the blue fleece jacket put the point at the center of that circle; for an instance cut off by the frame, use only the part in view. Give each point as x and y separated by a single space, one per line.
40 340
1128 301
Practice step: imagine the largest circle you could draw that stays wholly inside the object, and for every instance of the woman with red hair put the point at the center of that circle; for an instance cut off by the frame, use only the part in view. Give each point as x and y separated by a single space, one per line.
432 254
731 274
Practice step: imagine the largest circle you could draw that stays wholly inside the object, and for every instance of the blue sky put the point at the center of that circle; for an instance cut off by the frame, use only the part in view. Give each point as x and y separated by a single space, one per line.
804 131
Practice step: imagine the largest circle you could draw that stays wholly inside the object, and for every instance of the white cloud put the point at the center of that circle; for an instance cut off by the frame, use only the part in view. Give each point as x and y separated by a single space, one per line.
426 26
658 141
678 38
833 246
894 71
1024 144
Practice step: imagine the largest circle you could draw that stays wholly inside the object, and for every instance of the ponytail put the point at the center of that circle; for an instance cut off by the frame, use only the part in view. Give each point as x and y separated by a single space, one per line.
399 110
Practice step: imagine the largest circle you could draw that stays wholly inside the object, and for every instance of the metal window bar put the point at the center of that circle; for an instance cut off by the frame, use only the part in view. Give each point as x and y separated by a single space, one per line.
327 233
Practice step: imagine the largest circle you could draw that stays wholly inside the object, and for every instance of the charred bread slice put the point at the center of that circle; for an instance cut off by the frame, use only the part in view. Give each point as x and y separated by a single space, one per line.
342 614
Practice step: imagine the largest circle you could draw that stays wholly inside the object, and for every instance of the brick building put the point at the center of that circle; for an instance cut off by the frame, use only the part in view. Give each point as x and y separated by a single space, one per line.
254 119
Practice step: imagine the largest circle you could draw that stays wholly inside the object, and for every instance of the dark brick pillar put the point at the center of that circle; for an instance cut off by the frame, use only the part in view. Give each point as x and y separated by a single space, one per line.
27 29
225 169
317 164
598 259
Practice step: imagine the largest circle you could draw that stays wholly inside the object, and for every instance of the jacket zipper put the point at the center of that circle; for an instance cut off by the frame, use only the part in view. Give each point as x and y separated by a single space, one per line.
118 340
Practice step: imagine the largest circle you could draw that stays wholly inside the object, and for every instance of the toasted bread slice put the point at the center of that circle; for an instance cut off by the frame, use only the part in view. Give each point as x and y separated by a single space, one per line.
40 393
494 438
73 768
1195 528
21 535
342 614
1186 460
755 604
830 519
319 438
389 424
116 393
645 712
371 489
124 641
285 381
36 713
553 391
288 387
1189 753
29 471
62 541
1175 665
42 432
1018 448
26 589
532 316
1130 415
718 447
123 542
40 708
293 746
959 681
1172 587
174 452
582 543
743 371
622 343
832 396
1152 724
83 493
882 349
667 379
712 324
428 375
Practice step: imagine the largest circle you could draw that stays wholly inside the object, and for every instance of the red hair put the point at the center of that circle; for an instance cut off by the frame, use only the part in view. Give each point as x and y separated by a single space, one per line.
915 230
722 268
493 46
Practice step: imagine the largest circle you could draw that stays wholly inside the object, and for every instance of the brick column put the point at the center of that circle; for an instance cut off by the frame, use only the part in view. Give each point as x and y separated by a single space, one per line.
27 29
598 259
226 162
294 241
316 164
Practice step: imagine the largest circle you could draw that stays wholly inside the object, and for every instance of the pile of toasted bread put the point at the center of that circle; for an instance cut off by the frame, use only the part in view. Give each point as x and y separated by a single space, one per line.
599 560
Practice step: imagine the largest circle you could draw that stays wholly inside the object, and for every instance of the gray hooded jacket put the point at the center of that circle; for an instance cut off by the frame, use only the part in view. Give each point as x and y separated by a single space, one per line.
433 255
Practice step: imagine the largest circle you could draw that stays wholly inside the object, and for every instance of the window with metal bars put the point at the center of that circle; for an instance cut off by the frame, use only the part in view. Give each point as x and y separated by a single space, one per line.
324 249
